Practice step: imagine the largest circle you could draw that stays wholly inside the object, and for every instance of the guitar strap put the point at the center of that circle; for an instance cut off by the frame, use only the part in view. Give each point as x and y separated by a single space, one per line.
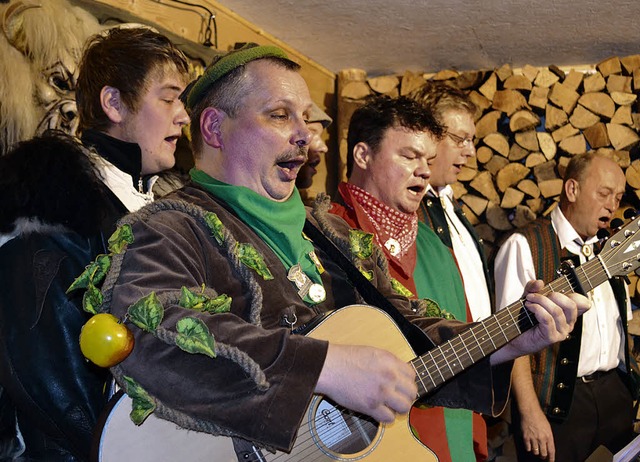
416 337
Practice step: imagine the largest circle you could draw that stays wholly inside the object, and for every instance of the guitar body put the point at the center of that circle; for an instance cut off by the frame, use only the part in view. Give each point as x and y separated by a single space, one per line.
327 433
369 326
155 440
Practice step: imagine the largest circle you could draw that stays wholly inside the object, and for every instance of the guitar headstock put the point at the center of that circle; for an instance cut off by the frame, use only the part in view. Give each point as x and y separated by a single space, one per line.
621 252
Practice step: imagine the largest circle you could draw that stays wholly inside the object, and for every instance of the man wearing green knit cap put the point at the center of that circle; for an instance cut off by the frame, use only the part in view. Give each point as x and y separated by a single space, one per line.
234 238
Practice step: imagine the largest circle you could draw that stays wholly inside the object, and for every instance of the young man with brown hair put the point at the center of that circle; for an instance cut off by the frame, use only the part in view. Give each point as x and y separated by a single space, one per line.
60 202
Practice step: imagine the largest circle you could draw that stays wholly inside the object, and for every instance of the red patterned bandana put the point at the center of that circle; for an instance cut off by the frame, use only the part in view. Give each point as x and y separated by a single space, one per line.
395 231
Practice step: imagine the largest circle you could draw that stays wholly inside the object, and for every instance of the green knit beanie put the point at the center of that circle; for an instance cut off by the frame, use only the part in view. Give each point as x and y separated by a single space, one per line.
223 64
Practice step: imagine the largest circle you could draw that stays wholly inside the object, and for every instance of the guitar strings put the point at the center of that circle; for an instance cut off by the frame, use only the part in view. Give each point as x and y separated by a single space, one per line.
302 449
504 323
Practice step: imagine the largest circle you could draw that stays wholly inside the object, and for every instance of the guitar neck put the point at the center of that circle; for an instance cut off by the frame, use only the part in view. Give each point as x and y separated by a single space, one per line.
452 357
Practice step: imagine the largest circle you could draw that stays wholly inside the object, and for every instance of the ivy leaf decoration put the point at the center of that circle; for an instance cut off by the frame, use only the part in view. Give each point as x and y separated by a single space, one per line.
220 304
434 310
190 300
102 265
119 240
93 274
143 403
92 299
250 257
194 337
82 281
147 313
366 274
447 315
361 243
201 302
215 226
400 288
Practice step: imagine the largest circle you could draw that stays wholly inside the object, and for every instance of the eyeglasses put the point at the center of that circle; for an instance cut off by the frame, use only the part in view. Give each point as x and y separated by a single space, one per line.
460 141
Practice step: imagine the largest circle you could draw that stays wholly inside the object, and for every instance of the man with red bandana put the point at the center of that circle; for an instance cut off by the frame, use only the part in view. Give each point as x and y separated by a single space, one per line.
392 143
572 397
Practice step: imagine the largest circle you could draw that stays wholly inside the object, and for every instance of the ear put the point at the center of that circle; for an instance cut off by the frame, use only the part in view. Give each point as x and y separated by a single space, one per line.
362 155
210 127
112 104
572 189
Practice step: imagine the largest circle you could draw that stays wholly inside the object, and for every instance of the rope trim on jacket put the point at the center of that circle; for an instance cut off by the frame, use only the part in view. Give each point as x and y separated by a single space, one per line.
245 274
242 359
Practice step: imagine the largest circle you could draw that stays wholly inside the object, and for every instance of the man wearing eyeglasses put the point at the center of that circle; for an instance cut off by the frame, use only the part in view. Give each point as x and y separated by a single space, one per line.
453 109
439 211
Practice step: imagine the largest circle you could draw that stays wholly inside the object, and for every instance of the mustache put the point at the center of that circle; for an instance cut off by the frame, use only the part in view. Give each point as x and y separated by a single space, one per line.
293 154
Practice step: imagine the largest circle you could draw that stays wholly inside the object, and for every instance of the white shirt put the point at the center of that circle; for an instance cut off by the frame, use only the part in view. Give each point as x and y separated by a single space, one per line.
121 184
468 258
602 346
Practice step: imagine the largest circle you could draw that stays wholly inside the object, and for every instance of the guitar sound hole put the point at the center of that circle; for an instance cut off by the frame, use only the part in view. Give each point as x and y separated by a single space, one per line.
337 431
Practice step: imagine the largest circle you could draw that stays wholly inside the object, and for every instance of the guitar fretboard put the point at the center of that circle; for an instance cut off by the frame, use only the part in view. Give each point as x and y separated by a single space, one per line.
442 363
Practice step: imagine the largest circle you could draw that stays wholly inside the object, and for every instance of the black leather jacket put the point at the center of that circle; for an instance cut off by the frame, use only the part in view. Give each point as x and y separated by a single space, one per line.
55 394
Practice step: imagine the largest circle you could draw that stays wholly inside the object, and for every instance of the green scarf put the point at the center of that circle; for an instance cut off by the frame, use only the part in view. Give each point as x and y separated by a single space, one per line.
279 224
437 278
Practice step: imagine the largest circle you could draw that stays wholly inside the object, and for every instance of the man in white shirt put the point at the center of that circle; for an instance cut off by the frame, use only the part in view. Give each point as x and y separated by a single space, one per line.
571 397
455 111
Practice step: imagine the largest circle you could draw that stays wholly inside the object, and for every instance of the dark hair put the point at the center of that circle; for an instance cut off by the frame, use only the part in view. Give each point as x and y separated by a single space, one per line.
228 94
440 97
51 178
126 59
370 122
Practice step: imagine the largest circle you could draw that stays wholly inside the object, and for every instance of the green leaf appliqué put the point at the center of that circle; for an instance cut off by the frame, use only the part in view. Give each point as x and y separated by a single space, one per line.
250 257
194 337
215 226
93 274
400 288
92 299
119 240
201 302
433 310
220 304
361 243
143 403
147 313
190 300
366 274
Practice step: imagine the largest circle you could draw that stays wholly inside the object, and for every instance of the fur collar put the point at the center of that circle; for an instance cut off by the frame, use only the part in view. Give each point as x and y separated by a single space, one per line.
49 183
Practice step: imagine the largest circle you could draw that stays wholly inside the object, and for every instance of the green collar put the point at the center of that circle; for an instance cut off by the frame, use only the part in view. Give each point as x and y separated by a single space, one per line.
279 224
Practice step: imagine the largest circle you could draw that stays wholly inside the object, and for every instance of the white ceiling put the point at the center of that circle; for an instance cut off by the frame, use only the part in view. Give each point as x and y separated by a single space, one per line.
383 37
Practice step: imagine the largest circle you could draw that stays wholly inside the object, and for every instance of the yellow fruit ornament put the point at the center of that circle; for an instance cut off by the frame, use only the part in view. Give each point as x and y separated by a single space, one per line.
105 341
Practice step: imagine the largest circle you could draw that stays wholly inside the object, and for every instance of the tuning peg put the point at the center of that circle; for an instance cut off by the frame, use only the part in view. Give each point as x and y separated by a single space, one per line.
616 223
630 213
603 233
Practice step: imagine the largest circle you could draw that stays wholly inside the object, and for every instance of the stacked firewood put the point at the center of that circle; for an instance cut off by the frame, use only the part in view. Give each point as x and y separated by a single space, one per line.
529 123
